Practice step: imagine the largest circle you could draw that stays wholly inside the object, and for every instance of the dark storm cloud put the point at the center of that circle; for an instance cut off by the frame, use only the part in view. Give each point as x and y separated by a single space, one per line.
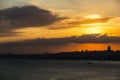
9 34
25 16
90 38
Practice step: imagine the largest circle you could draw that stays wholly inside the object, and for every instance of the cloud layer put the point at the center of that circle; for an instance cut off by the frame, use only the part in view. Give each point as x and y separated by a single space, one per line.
15 18
89 38
25 16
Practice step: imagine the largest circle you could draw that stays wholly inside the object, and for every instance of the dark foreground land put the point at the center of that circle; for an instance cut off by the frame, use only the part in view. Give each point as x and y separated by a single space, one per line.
83 55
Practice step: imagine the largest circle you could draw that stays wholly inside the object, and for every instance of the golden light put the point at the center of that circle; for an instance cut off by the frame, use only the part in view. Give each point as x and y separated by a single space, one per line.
93 30
93 16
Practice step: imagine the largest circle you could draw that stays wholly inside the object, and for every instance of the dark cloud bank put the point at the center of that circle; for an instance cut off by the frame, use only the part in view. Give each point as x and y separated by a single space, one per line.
25 16
90 38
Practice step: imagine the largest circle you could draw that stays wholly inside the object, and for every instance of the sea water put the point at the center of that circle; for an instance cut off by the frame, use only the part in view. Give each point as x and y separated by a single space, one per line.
18 69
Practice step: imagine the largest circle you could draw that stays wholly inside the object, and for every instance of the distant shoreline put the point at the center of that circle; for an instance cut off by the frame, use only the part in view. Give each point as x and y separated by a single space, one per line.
83 55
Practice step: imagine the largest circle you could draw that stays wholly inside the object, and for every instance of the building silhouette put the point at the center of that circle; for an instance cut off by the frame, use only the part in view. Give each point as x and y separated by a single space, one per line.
109 48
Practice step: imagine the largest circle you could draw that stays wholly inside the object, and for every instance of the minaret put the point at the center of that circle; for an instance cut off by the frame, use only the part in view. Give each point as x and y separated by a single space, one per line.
109 48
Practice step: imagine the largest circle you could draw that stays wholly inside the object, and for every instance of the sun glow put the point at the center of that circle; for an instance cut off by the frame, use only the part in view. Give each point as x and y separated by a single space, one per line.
94 30
93 16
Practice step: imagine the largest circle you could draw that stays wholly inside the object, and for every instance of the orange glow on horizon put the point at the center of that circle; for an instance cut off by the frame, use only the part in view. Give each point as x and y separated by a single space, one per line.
93 46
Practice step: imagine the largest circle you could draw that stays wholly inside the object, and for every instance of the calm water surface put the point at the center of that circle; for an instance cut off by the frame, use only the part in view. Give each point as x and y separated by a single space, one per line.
59 70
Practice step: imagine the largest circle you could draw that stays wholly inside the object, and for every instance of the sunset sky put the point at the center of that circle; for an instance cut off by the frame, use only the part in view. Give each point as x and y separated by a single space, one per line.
36 26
